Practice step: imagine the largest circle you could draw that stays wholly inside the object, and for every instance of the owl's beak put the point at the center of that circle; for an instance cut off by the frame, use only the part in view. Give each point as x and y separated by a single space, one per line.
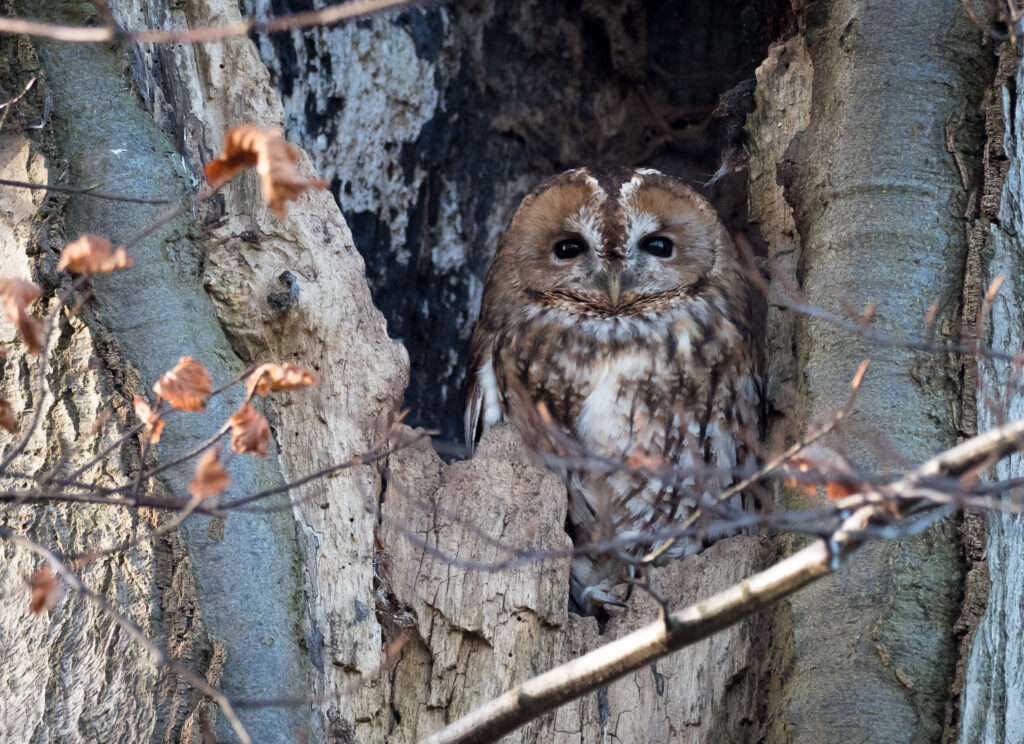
613 286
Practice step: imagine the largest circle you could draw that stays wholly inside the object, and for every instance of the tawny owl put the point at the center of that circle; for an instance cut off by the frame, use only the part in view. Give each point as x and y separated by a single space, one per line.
615 311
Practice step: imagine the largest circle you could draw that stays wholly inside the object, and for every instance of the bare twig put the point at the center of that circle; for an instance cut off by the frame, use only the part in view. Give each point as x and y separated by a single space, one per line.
85 190
679 629
8 105
106 33
684 627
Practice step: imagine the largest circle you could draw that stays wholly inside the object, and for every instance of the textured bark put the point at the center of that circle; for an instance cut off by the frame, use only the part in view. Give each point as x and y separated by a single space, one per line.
994 675
44 659
261 599
877 178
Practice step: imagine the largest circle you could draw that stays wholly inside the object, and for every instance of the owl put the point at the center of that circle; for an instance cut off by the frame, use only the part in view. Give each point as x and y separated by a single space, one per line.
614 333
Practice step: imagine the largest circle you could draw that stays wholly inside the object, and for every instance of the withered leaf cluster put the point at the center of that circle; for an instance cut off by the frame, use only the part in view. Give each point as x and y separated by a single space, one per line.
210 478
186 386
8 420
154 424
285 376
47 591
249 431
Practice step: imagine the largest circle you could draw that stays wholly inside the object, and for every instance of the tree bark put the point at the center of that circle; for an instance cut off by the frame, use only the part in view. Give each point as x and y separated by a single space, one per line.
876 182
242 596
993 678
864 181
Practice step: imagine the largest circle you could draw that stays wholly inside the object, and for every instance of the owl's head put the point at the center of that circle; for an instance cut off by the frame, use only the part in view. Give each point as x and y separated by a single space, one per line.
616 243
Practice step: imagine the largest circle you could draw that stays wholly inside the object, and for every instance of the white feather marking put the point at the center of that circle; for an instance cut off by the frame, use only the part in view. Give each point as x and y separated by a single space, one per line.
485 403
605 419
587 222
638 226
491 403
599 194
628 188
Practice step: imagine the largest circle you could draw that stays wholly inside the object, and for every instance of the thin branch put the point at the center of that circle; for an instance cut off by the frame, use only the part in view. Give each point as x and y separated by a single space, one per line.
696 622
610 662
7 106
84 559
243 27
85 190
881 339
188 455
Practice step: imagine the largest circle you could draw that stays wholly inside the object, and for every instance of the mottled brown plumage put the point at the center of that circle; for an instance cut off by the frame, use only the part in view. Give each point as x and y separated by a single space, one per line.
616 306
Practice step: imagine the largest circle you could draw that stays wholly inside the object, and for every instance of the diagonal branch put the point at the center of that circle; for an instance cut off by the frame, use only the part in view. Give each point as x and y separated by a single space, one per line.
687 626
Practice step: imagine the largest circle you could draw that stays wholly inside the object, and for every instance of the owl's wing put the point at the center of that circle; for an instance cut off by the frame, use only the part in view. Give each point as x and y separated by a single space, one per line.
482 400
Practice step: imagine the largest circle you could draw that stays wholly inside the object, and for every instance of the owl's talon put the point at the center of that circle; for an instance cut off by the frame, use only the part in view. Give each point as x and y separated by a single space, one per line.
599 596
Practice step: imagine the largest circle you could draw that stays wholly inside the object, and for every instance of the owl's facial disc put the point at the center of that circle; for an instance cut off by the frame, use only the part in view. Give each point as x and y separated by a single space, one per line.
611 244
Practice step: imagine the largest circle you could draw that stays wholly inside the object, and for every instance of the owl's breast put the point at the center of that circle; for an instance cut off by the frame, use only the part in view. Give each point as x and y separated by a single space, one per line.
667 389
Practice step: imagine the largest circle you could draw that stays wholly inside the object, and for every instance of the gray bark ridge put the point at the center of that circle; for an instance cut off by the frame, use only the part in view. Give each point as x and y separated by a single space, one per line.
876 183
155 313
991 709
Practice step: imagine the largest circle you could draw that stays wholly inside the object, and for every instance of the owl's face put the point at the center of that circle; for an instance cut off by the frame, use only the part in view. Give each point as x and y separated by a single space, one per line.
614 244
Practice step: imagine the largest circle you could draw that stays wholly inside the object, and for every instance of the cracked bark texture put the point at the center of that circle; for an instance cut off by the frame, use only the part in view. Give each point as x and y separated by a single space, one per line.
479 632
994 673
253 593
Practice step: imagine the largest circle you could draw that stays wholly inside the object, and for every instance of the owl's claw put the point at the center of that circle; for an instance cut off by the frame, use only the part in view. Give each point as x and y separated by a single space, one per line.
599 596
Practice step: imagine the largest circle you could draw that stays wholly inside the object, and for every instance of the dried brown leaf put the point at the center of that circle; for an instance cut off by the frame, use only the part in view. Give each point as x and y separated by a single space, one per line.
274 159
186 386
47 591
210 478
154 424
644 461
249 431
815 466
93 254
17 295
8 420
286 376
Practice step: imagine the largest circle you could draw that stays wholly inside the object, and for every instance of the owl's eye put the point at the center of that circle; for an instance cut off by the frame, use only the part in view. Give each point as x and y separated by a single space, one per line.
569 248
657 246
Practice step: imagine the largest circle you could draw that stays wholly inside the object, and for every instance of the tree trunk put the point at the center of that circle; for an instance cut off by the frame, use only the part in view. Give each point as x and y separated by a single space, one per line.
993 678
237 598
877 174
865 185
